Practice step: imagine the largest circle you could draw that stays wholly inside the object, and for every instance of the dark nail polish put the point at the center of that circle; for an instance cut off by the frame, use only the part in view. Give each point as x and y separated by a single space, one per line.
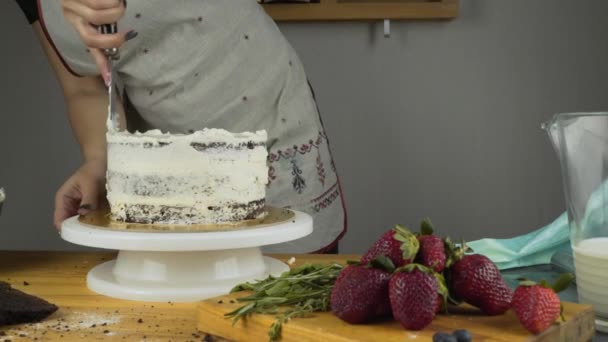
125 2
86 207
130 35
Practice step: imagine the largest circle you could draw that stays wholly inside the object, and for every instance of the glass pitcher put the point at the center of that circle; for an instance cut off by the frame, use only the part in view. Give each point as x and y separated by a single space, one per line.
581 143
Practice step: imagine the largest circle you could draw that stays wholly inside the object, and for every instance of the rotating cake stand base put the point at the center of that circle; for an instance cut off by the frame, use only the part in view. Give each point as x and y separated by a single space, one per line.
167 266
103 280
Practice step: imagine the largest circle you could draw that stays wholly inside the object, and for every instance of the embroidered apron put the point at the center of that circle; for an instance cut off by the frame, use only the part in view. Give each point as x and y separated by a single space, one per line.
222 64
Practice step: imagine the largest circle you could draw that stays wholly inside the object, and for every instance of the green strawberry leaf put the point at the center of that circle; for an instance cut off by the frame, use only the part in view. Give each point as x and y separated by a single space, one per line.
450 252
353 262
453 300
383 262
455 253
401 233
442 290
561 312
527 283
426 227
409 242
434 264
562 282
400 227
411 267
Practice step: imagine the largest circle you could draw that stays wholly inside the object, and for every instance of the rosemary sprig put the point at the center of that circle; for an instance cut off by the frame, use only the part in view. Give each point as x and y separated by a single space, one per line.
300 291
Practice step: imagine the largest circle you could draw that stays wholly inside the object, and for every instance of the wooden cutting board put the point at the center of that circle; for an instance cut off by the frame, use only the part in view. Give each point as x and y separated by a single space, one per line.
325 327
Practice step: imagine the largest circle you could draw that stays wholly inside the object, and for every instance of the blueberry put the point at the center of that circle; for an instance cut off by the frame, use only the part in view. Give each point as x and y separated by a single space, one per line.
444 337
462 335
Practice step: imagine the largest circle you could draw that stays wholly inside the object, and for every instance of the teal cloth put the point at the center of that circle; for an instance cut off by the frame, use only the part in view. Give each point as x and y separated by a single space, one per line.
540 246
535 248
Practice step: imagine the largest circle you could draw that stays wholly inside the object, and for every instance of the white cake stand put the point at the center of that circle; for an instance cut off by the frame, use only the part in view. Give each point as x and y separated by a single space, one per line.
163 266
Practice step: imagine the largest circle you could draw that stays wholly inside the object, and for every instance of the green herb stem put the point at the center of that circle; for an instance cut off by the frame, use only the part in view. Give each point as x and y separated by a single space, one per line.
300 291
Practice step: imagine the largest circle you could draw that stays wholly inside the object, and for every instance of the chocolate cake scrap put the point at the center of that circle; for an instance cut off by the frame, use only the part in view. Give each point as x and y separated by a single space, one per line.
18 307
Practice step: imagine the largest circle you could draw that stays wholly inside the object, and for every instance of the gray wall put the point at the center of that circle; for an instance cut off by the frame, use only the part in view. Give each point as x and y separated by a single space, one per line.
440 120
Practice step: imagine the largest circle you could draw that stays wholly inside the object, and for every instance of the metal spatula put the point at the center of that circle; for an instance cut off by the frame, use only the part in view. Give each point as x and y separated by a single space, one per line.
112 54
2 198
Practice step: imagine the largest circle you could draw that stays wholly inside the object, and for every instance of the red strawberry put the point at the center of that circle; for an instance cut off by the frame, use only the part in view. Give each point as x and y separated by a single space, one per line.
440 305
360 292
432 249
476 280
398 244
413 292
537 306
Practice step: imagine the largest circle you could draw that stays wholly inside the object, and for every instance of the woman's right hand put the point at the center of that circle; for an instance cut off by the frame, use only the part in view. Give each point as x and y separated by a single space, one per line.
83 192
86 15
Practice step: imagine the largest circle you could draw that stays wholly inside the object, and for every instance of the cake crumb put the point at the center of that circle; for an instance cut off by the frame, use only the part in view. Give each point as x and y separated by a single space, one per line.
26 283
291 261
140 320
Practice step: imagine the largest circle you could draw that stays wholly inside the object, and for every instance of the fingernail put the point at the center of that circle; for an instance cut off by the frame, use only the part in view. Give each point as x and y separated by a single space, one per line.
106 78
130 35
125 2
87 207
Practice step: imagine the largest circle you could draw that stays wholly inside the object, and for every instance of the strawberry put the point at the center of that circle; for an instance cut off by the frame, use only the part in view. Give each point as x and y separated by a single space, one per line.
413 292
432 249
537 306
398 244
439 306
476 280
360 292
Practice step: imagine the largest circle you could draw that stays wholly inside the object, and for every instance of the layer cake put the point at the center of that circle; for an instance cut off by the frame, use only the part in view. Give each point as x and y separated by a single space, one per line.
207 177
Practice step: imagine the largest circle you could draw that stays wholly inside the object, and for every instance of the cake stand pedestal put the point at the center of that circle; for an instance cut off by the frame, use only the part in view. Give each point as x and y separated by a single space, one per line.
183 266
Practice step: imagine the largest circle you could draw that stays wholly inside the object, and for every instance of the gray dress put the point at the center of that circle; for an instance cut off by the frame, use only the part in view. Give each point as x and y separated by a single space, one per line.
222 64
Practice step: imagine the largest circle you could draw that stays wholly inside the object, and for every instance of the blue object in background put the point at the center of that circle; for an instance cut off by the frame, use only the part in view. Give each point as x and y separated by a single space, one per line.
547 245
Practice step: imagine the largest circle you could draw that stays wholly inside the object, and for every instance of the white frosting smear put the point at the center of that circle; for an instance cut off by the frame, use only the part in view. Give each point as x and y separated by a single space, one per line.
209 176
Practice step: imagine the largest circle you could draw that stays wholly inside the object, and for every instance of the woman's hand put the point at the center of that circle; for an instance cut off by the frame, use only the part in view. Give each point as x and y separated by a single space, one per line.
82 192
86 15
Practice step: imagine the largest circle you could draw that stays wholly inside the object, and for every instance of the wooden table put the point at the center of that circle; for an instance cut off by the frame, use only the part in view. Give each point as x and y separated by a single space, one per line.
60 277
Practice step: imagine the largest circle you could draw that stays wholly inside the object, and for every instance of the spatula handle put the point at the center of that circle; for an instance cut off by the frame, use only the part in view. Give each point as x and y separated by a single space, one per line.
110 29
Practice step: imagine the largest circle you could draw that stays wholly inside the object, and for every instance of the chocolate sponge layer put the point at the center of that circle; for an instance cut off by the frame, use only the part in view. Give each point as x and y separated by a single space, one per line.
147 214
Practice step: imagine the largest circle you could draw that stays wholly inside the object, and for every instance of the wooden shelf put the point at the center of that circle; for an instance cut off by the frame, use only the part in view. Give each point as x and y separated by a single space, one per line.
338 10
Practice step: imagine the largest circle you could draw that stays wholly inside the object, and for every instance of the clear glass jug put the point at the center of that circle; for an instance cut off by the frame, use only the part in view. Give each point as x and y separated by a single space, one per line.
581 142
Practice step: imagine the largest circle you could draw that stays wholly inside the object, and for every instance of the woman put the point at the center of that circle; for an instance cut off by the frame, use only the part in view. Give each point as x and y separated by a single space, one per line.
186 65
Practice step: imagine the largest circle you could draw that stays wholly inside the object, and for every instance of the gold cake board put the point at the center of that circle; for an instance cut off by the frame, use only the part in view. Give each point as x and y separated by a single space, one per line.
101 219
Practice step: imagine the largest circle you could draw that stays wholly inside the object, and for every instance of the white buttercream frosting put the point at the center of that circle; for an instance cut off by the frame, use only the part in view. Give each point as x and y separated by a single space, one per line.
209 176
